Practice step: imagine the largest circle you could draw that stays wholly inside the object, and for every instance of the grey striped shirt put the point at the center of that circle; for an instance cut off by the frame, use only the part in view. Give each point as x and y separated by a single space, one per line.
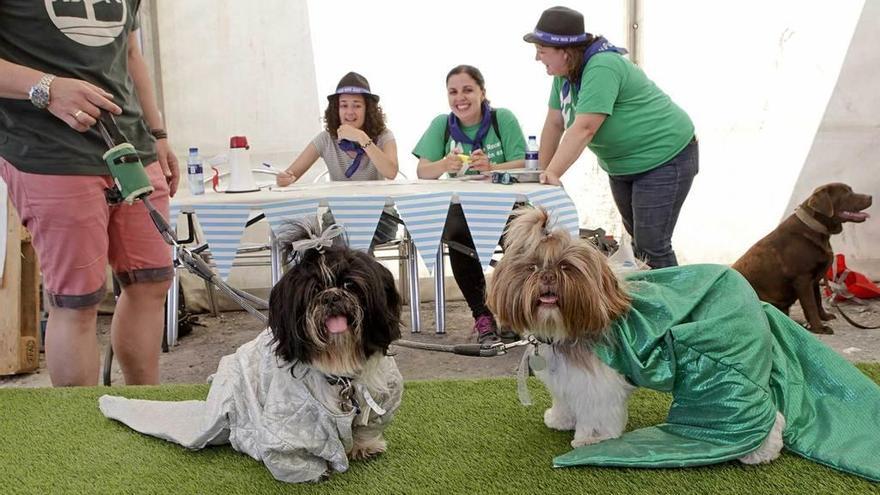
338 161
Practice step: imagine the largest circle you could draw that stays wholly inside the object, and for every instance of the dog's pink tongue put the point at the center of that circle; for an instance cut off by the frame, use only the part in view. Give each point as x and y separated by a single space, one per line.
548 299
336 324
857 216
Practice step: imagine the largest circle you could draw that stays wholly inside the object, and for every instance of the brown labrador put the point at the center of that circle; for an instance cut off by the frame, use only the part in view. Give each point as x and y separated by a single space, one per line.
787 265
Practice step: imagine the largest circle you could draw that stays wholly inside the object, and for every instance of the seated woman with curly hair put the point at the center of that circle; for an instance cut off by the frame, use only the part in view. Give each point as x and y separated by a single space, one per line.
355 144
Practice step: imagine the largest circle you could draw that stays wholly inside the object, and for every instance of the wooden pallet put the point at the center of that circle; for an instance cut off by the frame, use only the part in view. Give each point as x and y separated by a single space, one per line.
20 301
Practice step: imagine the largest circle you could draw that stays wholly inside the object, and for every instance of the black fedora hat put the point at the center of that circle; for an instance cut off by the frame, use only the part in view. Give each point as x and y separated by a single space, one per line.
559 26
353 84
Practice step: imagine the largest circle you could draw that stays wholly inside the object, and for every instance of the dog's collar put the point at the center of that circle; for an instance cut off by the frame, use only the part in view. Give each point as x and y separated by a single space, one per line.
345 381
809 221
347 393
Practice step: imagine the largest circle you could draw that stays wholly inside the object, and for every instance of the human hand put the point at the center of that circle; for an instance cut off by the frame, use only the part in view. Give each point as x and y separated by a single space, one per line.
285 179
479 161
452 162
550 177
352 133
79 103
169 164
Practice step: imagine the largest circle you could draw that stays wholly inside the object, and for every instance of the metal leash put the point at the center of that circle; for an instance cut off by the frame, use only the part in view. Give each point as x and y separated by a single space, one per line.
478 350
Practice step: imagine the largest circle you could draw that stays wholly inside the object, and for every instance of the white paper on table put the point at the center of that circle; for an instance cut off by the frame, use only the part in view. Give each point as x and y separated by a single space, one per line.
3 219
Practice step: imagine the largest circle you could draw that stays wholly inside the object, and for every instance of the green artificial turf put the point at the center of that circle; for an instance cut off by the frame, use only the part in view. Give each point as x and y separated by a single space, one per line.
448 437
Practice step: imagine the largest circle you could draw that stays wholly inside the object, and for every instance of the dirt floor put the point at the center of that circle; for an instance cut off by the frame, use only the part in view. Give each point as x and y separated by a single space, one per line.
196 355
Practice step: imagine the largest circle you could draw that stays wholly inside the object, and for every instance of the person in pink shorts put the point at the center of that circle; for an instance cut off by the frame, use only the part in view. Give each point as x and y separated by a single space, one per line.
54 82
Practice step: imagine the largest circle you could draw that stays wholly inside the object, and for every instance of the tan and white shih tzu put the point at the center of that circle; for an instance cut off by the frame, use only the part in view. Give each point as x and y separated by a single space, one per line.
562 291
314 390
592 356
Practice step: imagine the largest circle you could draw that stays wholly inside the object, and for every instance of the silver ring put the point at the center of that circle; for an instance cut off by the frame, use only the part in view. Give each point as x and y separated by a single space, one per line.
77 114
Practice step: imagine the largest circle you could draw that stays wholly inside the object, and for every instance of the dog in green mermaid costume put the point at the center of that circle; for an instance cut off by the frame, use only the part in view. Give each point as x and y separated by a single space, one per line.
746 380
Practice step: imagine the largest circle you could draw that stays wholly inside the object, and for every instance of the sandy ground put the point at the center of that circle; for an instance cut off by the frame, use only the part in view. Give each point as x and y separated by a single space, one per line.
196 355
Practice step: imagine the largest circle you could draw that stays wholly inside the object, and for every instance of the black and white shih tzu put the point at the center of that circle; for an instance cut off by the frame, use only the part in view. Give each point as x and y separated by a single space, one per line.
313 391
336 311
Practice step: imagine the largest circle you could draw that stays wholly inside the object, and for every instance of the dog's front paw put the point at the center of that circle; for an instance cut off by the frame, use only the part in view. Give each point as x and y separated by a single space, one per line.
580 441
557 419
367 450
821 329
824 316
367 443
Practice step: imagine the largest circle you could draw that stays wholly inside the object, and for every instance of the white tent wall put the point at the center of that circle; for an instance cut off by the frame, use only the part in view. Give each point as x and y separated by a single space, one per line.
756 77
233 69
847 146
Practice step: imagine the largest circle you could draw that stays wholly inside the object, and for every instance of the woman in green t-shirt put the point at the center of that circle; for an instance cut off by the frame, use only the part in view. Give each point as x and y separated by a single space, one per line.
487 139
642 139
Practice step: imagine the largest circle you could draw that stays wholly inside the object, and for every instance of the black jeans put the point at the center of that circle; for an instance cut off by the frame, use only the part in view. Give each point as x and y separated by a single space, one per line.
650 202
468 271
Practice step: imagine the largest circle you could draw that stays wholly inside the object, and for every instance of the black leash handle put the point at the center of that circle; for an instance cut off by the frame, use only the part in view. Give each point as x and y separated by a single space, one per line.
109 130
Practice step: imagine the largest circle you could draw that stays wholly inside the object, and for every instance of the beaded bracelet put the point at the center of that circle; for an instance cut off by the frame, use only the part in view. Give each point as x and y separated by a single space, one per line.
159 133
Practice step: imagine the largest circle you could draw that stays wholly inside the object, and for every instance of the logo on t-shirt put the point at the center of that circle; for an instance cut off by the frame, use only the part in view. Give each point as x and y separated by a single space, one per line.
89 22
567 108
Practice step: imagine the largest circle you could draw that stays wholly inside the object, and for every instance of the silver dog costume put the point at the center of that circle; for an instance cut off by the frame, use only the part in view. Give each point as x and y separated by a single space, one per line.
260 408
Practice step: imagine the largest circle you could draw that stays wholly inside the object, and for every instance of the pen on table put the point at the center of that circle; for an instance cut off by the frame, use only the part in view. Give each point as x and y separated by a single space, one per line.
271 167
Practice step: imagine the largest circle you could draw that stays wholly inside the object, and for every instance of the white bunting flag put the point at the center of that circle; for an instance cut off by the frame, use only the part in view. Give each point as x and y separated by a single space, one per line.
223 226
425 216
486 214
359 216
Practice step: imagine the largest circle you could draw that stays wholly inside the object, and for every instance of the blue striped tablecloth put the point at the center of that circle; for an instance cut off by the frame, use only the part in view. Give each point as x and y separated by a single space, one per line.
422 206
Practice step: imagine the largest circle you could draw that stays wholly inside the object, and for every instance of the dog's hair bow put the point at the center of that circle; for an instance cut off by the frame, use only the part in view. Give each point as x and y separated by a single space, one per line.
319 242
297 237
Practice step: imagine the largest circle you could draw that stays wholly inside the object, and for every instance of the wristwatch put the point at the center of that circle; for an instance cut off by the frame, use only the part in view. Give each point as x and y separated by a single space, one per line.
39 93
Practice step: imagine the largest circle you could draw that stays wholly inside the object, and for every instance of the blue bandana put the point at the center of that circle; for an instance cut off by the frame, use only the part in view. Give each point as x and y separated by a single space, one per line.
459 135
598 45
346 145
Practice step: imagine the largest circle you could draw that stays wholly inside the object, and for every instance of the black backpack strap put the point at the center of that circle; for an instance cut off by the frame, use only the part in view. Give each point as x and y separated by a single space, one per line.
493 114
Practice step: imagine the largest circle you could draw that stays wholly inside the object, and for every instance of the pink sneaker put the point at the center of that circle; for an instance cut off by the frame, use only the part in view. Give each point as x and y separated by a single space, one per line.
486 330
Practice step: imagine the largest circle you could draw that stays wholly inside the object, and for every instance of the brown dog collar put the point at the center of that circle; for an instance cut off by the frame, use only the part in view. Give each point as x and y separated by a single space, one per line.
810 222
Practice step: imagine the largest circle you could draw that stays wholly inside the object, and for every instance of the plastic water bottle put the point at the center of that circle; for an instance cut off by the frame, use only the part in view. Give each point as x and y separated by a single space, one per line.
195 173
532 153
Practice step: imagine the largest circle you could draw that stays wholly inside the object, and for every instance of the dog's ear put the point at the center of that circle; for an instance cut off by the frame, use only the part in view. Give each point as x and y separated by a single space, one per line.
288 304
497 292
392 305
593 295
382 305
821 202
